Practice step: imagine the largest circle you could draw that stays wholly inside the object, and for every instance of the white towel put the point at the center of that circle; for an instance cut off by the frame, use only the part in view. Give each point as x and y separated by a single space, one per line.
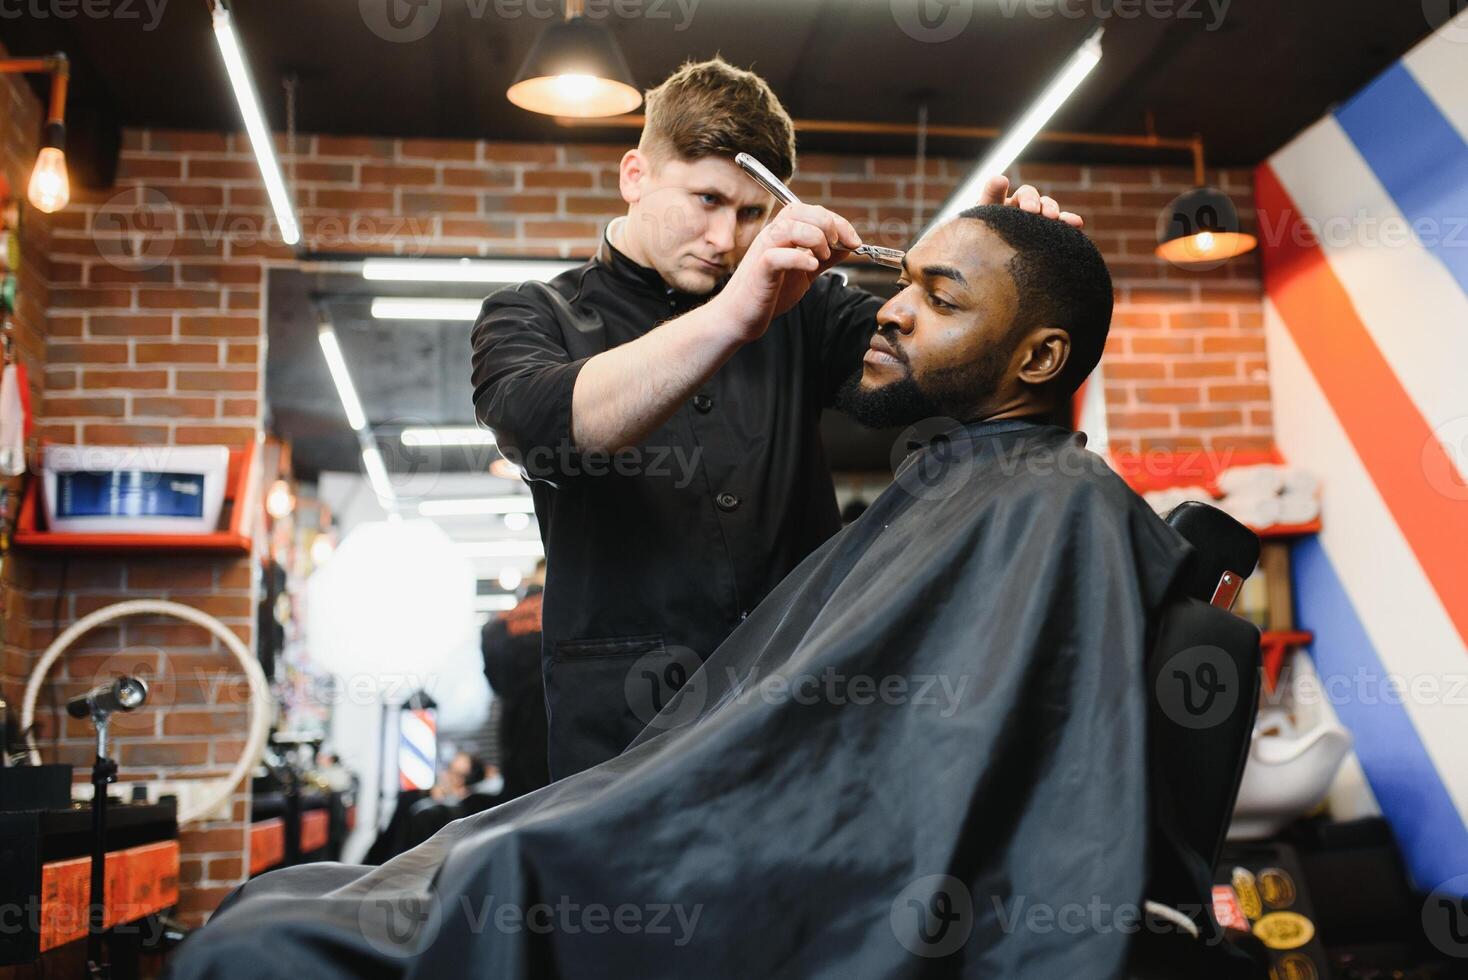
1252 509
1254 481
12 421
1298 508
1299 482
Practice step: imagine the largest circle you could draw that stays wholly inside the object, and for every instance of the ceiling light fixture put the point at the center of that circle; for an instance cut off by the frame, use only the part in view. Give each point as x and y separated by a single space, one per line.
575 68
1018 136
425 308
1200 229
446 435
347 391
261 140
377 476
464 270
475 506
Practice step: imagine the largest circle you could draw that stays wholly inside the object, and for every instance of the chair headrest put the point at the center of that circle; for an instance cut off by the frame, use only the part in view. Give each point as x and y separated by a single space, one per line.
1221 544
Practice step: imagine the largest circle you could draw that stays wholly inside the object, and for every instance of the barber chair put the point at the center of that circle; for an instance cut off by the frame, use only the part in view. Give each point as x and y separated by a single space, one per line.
1203 676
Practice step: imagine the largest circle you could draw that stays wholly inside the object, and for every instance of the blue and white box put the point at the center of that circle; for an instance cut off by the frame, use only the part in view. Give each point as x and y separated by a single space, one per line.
134 489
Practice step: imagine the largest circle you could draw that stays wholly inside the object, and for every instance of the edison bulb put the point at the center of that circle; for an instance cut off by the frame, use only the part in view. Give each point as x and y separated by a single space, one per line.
49 189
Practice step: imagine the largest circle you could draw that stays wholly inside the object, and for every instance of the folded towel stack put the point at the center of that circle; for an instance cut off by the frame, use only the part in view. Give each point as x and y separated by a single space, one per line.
1266 494
1260 496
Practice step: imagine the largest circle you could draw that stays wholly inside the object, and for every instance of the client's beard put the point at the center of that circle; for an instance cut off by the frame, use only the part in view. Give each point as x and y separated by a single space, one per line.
958 393
899 402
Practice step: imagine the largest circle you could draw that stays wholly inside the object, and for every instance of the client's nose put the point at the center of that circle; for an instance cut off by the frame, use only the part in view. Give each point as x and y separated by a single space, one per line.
895 315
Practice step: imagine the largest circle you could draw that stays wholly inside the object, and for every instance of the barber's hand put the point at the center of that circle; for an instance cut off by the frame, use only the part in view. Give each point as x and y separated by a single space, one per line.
781 263
996 191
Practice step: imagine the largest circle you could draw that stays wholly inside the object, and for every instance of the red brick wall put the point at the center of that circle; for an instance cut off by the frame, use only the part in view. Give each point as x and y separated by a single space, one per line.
21 116
156 334
148 346
1185 364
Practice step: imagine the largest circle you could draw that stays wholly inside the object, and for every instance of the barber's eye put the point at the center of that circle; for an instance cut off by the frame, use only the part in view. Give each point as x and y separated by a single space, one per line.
939 303
751 214
710 200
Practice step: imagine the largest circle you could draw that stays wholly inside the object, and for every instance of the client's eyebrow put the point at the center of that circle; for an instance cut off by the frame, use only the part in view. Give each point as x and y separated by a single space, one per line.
947 271
929 271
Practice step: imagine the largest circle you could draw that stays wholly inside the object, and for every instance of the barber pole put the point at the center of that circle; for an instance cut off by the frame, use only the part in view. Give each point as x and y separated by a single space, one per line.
417 748
1366 285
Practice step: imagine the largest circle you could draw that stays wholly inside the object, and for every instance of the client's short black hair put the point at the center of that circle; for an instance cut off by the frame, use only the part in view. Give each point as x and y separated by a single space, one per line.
1062 282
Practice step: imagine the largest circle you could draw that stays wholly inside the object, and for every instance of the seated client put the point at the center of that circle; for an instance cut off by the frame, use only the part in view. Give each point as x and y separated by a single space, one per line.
923 752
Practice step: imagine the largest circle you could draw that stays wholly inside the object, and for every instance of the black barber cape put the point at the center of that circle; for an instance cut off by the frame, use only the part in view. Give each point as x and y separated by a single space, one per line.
921 755
657 553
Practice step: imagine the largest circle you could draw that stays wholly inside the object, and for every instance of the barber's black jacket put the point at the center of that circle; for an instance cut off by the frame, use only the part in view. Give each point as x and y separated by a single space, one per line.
654 555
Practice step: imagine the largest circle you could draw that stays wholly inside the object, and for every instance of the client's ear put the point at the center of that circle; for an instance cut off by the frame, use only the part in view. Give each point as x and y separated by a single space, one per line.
632 172
1045 352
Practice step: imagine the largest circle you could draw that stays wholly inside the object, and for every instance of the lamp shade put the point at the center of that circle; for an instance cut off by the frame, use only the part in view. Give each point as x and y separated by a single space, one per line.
575 69
1201 228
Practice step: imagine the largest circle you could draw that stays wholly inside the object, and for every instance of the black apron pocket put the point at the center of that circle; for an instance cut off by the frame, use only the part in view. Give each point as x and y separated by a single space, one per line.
600 693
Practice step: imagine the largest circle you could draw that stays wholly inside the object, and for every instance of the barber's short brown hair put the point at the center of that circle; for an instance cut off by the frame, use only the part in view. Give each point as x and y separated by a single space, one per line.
711 108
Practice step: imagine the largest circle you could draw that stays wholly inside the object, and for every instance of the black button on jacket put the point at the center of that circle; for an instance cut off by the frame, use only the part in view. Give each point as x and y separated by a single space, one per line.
649 566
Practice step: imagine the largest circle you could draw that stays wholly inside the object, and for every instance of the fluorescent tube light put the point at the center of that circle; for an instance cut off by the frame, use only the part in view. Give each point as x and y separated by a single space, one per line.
513 504
1014 141
356 418
464 270
261 140
377 476
447 435
425 308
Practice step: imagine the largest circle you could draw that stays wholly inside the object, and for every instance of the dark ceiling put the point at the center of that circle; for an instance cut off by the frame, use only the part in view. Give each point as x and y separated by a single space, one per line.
1247 74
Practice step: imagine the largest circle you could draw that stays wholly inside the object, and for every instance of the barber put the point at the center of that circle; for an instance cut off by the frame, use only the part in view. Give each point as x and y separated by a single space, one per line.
664 401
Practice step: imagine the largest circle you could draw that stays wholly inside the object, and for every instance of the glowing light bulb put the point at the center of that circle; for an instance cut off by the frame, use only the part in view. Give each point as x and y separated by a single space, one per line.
280 501
517 521
510 578
1204 242
576 87
49 189
321 549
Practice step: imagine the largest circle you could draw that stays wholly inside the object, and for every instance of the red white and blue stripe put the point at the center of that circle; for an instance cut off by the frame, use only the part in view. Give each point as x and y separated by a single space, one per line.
417 748
1364 237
